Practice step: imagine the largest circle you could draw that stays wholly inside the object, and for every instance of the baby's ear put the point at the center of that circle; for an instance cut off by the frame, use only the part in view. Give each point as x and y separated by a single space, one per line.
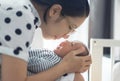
85 52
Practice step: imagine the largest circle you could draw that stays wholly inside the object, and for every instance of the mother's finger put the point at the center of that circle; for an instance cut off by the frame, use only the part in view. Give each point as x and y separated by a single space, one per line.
84 69
86 58
76 52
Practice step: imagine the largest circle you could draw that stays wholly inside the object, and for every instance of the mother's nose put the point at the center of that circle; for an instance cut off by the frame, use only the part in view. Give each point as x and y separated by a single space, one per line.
66 36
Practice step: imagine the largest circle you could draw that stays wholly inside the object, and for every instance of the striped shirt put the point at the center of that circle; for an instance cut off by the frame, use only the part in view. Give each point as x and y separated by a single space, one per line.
40 60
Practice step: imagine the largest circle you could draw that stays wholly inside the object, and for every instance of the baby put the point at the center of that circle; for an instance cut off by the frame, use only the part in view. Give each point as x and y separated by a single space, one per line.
43 59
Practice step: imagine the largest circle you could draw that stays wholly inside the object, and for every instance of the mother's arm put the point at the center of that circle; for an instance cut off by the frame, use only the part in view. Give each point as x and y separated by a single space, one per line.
14 69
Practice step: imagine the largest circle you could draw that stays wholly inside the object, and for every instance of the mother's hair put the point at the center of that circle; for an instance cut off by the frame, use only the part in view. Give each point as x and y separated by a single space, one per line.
73 8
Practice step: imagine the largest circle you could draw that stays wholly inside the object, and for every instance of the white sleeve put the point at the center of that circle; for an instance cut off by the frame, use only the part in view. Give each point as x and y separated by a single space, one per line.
16 30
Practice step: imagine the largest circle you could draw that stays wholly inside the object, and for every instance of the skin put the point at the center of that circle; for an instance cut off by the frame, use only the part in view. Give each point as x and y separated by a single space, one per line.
14 69
78 77
65 47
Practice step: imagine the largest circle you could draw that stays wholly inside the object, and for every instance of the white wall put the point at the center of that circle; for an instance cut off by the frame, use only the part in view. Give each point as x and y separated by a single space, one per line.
117 19
37 40
116 28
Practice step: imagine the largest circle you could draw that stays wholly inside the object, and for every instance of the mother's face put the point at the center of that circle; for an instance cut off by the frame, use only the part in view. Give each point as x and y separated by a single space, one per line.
61 29
58 26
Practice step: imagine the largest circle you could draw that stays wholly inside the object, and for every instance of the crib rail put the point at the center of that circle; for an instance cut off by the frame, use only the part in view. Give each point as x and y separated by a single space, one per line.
96 50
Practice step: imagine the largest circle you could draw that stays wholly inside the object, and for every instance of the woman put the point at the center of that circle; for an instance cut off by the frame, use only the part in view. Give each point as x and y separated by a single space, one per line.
56 18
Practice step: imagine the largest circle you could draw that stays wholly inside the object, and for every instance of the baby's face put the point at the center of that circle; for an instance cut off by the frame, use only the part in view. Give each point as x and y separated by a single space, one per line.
67 46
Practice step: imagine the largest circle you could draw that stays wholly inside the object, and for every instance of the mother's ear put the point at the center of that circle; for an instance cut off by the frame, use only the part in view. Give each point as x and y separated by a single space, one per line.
55 11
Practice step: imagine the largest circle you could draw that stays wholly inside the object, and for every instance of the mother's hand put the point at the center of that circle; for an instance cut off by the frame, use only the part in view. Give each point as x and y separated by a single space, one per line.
74 63
85 64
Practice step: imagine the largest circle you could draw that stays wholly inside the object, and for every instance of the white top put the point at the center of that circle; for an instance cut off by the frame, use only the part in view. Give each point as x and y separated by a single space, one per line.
18 21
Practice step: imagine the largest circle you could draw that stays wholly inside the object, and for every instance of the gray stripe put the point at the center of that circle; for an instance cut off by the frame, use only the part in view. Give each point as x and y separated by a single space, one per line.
41 60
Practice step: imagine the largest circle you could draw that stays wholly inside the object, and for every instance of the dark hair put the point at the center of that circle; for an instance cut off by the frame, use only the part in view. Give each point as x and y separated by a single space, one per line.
72 8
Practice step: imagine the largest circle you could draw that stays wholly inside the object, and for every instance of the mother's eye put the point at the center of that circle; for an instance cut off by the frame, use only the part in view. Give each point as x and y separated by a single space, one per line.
70 27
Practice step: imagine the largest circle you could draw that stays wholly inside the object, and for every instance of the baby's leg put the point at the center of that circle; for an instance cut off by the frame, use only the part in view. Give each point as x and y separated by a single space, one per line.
78 77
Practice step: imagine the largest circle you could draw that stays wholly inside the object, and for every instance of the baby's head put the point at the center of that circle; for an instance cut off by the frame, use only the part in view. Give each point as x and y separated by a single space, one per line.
66 46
